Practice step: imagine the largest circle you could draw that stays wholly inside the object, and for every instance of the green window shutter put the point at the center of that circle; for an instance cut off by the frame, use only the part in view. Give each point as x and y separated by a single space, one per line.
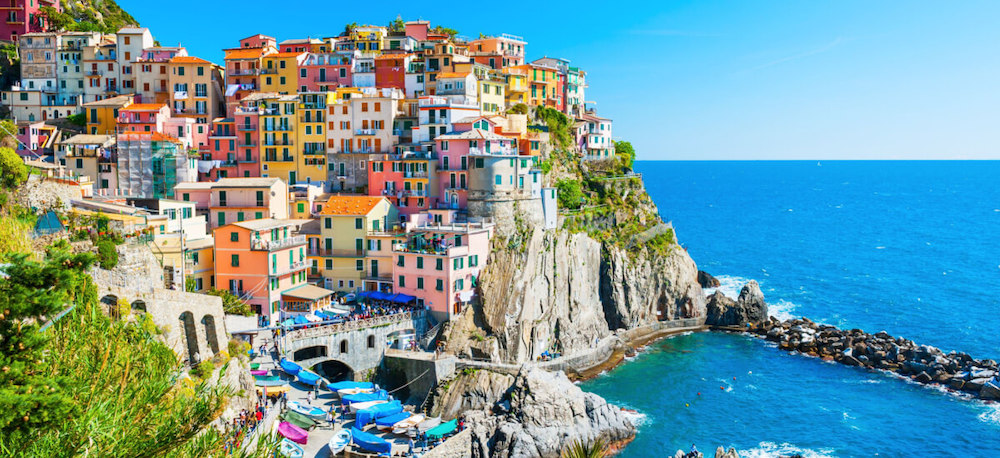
222 219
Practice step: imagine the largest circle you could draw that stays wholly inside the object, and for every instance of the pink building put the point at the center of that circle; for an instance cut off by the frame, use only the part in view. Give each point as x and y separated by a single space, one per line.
199 192
325 72
408 180
453 151
439 263
35 136
22 16
223 145
143 117
246 199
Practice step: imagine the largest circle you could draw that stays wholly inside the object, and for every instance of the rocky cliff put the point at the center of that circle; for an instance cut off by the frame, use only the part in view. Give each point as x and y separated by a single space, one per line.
541 414
749 308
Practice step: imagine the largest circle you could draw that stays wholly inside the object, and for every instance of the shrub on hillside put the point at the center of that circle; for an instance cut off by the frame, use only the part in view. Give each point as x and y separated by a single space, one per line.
107 254
570 194
13 172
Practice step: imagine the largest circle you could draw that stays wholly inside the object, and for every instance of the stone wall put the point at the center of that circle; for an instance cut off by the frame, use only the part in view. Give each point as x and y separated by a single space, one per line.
456 446
193 324
413 374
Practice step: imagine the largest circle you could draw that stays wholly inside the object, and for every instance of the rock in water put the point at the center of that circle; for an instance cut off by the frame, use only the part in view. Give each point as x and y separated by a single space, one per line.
542 414
750 308
706 280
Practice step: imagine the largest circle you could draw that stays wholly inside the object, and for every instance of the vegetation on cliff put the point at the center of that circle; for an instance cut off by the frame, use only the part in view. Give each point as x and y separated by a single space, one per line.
88 16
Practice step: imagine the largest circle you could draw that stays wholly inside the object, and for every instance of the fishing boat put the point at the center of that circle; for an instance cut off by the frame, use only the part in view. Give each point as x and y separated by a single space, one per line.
309 377
406 425
339 441
274 390
299 420
369 415
389 422
364 405
290 449
266 377
350 391
289 367
307 410
364 397
269 383
256 372
347 384
428 424
293 433
442 430
370 442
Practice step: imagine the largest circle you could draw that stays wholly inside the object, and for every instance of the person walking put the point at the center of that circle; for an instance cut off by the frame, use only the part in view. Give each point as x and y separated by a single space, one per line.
329 416
309 396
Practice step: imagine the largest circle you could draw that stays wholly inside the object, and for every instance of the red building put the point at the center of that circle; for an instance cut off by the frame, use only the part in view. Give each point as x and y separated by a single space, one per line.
223 146
22 16
324 72
390 70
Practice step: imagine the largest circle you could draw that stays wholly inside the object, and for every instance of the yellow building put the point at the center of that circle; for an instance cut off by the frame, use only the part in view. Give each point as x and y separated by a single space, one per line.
280 72
352 246
277 131
312 136
368 39
102 115
492 95
516 89
195 89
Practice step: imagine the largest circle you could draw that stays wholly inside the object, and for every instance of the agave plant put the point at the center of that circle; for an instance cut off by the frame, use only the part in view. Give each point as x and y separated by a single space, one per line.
595 449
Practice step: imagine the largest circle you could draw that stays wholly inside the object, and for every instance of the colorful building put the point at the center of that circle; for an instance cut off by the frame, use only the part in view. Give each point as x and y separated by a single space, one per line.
350 249
280 72
236 200
196 90
152 73
23 16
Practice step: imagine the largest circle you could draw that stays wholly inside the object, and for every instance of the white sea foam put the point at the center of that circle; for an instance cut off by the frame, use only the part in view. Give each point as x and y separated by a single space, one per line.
782 309
729 285
991 414
639 419
770 449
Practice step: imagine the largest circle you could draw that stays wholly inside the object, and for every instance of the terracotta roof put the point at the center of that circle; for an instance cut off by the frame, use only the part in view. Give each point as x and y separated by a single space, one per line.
244 53
161 137
452 75
286 54
188 60
144 107
350 205
117 101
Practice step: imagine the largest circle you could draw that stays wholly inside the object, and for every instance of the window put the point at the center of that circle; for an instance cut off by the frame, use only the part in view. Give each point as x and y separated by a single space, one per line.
260 198
239 216
359 265
371 341
402 281
473 260
439 265
222 219
180 71
234 260
459 284
420 262
439 286
359 223
234 236
497 179
420 282
328 223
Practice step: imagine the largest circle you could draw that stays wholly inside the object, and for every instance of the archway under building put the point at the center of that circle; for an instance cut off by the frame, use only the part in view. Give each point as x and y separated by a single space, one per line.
334 370
190 334
210 335
316 351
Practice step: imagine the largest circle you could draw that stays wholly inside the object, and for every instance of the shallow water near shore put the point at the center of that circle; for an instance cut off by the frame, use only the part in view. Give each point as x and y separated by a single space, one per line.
905 247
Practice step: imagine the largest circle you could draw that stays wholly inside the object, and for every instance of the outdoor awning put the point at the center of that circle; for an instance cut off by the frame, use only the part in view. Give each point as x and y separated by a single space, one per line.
363 294
313 318
231 89
377 295
308 292
402 298
301 320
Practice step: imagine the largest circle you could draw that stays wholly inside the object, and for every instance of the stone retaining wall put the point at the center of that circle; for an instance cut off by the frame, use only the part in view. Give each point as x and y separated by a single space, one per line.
457 446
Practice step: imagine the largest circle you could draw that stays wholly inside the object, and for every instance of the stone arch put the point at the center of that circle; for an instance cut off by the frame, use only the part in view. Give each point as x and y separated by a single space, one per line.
335 370
210 336
371 341
109 300
343 347
139 304
190 334
315 351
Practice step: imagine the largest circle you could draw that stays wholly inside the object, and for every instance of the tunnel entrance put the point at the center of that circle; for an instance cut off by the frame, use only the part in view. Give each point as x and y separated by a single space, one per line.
334 370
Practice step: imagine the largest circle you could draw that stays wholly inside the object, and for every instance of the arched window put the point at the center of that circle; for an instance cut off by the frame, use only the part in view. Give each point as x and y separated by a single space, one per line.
371 341
343 346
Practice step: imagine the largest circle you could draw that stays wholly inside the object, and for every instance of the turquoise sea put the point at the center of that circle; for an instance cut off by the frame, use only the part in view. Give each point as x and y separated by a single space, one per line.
907 247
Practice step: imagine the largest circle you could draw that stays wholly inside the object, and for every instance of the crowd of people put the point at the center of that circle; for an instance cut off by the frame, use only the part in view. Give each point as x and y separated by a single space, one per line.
242 426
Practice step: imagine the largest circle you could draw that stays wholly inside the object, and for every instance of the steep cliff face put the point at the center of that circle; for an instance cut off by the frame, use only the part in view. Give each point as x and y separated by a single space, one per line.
540 291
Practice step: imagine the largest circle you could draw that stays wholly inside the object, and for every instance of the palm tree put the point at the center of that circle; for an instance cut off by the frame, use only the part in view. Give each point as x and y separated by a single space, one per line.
596 449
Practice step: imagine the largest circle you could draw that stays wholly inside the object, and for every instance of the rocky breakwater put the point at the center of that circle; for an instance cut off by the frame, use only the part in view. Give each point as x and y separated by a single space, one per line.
881 351
542 414
749 308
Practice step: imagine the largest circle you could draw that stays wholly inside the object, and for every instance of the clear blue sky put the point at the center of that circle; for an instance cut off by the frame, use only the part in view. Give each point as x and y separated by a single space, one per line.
765 79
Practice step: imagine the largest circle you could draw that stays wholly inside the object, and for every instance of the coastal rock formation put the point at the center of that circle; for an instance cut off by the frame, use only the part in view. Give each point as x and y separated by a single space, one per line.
541 414
881 351
706 280
469 390
719 453
749 308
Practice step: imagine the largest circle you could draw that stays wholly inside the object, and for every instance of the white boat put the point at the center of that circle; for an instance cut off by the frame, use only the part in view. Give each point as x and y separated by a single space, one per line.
339 441
425 426
346 391
307 410
404 426
356 406
293 450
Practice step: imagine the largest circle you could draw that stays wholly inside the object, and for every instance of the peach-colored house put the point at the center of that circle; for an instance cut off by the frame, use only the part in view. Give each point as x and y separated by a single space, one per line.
199 192
440 260
261 261
245 199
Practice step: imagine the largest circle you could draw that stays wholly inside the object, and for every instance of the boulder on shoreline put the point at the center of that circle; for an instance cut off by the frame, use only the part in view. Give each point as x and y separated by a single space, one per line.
706 280
749 308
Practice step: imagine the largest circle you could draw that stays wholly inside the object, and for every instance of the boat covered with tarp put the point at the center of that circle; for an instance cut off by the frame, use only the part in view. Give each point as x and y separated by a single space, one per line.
408 424
309 377
355 407
277 382
348 384
370 442
273 390
366 416
289 367
299 420
364 397
442 430
390 421
257 372
264 376
306 409
428 424
293 433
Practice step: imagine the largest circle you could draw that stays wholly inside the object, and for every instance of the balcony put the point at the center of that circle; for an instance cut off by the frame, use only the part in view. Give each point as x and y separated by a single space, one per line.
244 72
246 127
93 73
277 142
274 245
246 144
385 277
336 253
293 267
277 128
493 151
311 117
415 174
326 79
429 247
365 132
314 151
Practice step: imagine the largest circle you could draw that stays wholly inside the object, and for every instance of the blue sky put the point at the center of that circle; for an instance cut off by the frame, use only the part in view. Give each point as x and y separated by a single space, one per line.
710 79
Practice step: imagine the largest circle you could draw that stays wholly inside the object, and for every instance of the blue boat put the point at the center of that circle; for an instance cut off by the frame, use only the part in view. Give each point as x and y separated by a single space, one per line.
347 384
364 397
388 421
366 416
309 377
289 367
370 442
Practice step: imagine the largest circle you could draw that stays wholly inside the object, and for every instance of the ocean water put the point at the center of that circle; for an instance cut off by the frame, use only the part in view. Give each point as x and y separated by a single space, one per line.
907 247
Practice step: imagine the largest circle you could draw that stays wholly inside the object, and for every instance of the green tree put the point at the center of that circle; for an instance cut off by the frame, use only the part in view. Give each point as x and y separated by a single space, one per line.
13 172
56 20
397 25
230 303
625 153
107 253
445 31
570 194
32 395
518 108
349 28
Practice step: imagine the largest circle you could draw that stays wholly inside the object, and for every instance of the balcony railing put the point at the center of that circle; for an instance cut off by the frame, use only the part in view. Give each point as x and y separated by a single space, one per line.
378 276
246 127
275 158
246 144
277 142
277 128
415 174
430 248
273 245
494 151
293 267
244 72
336 253
365 132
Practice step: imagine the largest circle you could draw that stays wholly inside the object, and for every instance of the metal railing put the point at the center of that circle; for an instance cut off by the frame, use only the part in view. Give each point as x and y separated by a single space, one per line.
353 325
293 267
336 253
272 245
